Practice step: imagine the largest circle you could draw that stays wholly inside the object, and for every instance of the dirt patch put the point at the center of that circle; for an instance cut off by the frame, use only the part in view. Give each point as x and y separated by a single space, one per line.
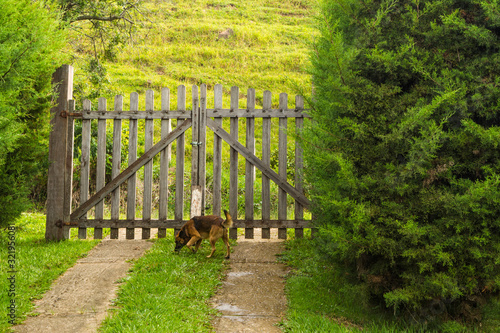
78 300
252 298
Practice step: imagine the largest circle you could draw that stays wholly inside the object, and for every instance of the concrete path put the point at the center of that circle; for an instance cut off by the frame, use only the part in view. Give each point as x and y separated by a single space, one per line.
252 298
78 300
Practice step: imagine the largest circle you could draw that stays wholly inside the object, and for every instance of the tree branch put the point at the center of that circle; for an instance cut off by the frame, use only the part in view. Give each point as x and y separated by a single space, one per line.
101 18
17 60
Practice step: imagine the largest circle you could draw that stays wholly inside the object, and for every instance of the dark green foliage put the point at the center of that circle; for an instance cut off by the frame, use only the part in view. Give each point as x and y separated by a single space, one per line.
30 44
403 154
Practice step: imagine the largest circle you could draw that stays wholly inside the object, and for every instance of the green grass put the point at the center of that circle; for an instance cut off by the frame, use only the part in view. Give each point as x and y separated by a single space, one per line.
37 263
168 292
324 298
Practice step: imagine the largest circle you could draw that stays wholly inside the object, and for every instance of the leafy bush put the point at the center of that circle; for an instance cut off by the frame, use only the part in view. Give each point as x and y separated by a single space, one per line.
403 151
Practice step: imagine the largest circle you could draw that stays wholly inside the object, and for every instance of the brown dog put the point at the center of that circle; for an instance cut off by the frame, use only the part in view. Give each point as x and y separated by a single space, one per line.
209 227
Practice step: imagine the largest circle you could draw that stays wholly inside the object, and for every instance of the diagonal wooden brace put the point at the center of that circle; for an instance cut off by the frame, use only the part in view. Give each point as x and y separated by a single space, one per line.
127 173
266 170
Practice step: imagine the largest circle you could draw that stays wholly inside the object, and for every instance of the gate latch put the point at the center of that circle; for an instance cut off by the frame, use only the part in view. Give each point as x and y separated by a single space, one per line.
194 143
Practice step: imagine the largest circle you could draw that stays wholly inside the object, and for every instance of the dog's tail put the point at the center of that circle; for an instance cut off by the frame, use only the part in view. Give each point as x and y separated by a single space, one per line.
228 223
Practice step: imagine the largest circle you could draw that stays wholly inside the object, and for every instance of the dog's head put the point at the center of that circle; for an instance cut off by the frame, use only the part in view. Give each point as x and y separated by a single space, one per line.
181 239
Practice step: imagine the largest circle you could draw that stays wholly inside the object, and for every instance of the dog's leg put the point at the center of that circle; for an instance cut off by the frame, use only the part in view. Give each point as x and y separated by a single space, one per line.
192 241
198 244
226 241
212 243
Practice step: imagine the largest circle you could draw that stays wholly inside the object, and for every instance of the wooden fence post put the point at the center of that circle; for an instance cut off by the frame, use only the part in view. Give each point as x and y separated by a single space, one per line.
58 147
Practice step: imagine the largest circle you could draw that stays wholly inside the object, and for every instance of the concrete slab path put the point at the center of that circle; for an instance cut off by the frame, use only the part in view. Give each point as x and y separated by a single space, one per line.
78 300
252 298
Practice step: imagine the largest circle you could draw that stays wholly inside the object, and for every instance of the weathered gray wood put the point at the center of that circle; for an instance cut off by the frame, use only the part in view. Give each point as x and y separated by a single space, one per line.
258 113
299 164
130 171
217 167
57 156
164 162
101 164
202 153
154 223
266 159
148 167
249 167
85 163
233 163
132 157
281 182
68 172
198 176
196 200
177 114
116 164
195 151
282 164
179 156
126 115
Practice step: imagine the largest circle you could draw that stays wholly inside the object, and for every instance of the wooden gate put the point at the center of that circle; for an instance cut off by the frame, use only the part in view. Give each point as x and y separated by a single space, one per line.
104 208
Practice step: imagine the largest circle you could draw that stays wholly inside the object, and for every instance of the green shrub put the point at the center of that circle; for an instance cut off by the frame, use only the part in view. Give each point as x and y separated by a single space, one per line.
403 155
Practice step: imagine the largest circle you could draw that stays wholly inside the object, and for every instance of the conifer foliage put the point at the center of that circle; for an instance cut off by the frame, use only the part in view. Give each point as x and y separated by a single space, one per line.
403 154
30 42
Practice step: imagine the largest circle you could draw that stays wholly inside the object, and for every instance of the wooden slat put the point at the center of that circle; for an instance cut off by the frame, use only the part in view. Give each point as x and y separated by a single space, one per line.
116 164
68 172
202 153
258 113
195 200
148 167
101 163
130 170
154 223
179 171
164 163
85 164
299 164
194 143
132 157
179 114
217 168
282 164
249 167
233 160
266 159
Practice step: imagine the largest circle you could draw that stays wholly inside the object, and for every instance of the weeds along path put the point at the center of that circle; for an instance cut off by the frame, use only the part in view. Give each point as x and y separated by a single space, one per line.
78 300
252 298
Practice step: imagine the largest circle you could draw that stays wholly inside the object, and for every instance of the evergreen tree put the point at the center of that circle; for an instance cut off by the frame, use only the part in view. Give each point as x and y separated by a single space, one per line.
30 42
403 150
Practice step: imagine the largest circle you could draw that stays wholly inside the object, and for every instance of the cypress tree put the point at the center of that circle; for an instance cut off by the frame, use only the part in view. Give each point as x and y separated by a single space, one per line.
31 40
403 150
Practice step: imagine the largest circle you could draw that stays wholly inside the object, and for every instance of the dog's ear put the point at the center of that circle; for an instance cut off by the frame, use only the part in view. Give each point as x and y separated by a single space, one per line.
185 231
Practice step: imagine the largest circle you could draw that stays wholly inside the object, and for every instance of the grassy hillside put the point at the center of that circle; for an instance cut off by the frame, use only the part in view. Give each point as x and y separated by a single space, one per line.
176 42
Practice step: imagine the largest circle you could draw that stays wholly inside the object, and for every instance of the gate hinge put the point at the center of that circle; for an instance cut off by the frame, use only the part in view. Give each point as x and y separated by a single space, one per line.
61 224
65 114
